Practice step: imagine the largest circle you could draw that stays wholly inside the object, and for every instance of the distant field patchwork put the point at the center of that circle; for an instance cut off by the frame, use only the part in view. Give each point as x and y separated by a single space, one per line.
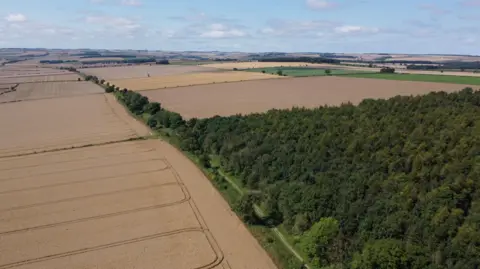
304 71
141 71
191 79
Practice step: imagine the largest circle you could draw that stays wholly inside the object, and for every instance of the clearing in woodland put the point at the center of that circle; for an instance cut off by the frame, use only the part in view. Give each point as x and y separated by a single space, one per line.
261 95
151 83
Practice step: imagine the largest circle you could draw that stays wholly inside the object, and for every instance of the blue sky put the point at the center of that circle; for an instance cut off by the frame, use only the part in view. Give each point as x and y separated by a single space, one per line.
407 26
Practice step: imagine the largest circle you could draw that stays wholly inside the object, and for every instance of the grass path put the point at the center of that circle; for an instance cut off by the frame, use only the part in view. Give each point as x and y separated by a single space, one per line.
262 214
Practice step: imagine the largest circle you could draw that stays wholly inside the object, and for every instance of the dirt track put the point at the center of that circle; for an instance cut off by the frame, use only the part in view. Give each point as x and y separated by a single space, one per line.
261 95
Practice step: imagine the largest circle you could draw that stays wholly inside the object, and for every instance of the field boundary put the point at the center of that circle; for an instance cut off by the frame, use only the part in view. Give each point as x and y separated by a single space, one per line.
275 231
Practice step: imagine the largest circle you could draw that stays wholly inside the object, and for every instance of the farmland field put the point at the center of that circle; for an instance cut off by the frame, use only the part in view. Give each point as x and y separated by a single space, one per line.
47 124
262 95
159 82
248 65
304 71
469 80
45 78
141 71
29 91
127 205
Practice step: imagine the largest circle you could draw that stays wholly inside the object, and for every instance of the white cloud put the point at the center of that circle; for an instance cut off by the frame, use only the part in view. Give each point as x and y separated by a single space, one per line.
16 17
319 4
135 3
218 30
348 29
114 22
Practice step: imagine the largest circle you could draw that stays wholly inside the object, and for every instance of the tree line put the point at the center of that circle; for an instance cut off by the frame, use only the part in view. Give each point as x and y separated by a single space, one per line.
385 184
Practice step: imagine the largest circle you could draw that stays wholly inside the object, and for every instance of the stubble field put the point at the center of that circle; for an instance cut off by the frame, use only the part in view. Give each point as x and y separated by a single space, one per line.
30 91
139 84
48 124
32 79
259 96
141 71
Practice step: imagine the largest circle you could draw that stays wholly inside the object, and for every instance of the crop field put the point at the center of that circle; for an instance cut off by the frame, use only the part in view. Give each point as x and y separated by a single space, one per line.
304 71
29 91
47 78
159 82
248 65
138 204
141 71
470 80
40 125
12 71
261 95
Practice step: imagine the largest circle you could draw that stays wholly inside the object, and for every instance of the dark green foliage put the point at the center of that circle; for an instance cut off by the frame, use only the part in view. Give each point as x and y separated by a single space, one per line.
328 72
245 210
279 72
399 176
152 108
134 101
109 89
387 70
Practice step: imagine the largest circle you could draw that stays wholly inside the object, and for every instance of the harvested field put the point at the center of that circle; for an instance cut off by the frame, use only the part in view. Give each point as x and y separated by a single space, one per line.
14 71
48 124
247 65
139 84
141 71
47 78
262 95
139 204
30 91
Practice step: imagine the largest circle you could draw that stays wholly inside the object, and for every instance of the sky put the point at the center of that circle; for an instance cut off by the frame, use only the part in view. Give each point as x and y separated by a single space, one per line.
349 26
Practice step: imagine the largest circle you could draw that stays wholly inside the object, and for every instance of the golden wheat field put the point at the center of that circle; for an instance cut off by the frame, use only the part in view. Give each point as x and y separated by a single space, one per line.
159 82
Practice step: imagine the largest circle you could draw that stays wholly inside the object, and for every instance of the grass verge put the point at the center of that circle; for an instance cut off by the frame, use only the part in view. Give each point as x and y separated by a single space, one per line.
420 77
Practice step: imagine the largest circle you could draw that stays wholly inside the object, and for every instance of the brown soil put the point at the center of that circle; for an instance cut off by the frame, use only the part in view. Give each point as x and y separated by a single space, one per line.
262 95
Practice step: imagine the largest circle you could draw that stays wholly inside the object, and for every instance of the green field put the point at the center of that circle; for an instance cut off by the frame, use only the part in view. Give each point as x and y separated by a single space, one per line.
303 71
421 77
